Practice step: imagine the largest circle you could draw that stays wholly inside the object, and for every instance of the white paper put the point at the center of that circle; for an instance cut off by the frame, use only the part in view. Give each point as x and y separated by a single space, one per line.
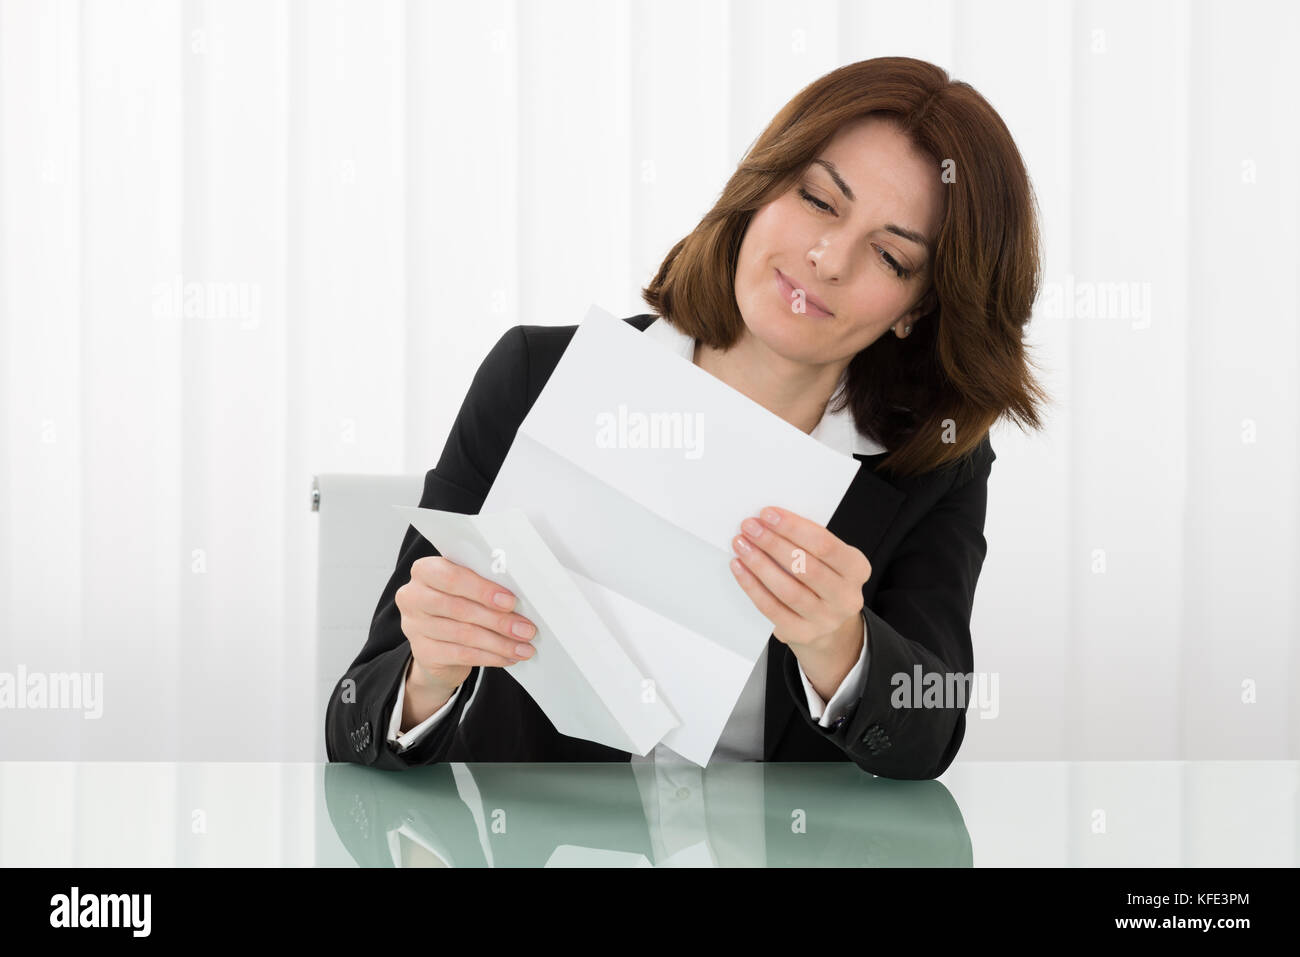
579 675
646 532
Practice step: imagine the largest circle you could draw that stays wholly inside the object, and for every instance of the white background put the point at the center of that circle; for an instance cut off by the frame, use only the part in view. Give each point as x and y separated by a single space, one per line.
392 185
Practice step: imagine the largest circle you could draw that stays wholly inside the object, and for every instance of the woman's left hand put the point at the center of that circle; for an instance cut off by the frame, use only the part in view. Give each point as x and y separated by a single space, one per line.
805 581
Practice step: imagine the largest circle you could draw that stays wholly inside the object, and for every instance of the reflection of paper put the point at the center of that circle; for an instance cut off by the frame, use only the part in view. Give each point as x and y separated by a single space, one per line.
636 468
698 854
580 676
574 855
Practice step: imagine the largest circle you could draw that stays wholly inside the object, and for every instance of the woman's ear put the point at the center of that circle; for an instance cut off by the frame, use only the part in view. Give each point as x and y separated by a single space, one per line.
929 302
907 324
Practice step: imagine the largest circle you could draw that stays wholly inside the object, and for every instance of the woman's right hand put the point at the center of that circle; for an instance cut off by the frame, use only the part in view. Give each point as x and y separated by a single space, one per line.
454 621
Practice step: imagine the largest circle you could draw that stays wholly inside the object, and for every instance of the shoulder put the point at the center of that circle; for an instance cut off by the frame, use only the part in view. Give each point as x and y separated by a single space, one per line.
956 491
975 463
966 478
547 341
513 373
539 348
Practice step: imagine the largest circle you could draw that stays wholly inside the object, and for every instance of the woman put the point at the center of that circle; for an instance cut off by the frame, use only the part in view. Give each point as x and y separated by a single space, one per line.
873 261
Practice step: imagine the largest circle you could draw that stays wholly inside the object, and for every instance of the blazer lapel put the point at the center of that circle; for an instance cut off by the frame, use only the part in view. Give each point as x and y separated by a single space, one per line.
865 512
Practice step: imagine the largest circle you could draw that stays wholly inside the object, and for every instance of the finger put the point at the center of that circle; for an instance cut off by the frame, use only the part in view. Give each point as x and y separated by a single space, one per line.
440 604
781 617
818 541
447 653
792 593
451 632
445 575
815 574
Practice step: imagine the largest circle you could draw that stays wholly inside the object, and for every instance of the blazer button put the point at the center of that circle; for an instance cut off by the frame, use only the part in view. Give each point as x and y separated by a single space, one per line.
876 739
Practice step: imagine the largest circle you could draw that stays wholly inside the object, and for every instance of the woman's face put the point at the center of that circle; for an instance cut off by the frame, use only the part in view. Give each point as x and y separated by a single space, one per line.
842 251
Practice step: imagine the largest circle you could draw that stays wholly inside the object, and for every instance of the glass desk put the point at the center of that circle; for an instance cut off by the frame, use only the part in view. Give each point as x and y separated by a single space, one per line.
1134 814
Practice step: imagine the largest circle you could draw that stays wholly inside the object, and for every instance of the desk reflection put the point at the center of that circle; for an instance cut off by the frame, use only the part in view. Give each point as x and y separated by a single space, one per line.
628 815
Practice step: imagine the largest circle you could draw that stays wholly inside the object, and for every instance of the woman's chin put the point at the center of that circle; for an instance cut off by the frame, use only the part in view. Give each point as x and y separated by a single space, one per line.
792 337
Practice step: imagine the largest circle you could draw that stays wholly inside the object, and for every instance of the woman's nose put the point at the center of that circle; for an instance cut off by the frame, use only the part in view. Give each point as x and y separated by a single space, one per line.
823 266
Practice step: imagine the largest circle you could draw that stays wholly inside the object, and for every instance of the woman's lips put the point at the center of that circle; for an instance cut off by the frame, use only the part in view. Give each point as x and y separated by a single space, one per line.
787 290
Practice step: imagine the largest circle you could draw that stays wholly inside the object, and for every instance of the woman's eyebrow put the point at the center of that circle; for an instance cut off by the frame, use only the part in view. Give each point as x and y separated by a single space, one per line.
897 230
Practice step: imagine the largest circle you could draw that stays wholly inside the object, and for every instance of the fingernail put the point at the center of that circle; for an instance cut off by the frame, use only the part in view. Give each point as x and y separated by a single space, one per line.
523 651
522 630
503 599
771 517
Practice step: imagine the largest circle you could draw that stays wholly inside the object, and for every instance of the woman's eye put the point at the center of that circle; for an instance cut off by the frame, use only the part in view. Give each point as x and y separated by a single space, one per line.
809 197
893 264
825 208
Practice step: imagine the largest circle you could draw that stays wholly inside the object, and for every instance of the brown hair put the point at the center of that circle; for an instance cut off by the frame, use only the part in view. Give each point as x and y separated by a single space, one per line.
965 365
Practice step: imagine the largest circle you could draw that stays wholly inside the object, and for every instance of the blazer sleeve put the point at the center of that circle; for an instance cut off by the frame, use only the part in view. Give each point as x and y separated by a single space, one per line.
359 708
920 615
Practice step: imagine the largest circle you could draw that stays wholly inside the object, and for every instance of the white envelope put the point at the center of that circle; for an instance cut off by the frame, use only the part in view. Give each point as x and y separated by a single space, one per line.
646 531
579 676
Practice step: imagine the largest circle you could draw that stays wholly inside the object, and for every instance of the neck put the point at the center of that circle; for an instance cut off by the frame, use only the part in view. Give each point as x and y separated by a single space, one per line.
792 390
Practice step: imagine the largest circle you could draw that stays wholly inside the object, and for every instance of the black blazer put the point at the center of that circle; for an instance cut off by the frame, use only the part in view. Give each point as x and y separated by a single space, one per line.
924 537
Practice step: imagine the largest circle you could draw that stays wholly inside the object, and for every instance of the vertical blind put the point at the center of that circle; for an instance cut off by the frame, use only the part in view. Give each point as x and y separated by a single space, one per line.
243 243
